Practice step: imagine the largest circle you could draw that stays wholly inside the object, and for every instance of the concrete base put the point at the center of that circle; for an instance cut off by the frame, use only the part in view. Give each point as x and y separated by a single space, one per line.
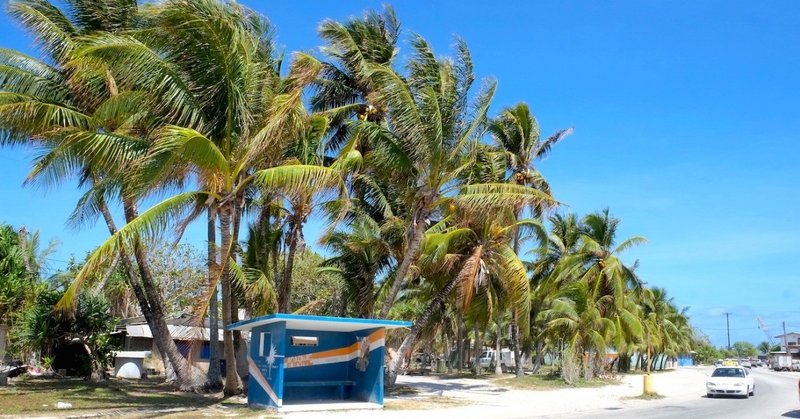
320 405
647 384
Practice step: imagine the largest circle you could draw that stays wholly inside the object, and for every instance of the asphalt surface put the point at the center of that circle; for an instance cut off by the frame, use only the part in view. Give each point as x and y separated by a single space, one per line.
775 397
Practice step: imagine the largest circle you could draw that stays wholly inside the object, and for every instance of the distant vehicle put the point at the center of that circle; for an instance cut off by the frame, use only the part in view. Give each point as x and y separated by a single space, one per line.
730 381
796 365
718 363
745 363
781 362
507 363
756 362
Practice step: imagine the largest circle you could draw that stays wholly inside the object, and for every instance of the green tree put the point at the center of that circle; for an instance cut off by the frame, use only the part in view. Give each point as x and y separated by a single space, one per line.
360 256
744 349
73 106
517 135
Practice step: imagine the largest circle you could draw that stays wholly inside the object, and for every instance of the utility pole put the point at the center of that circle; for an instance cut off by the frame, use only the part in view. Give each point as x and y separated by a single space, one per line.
728 324
785 345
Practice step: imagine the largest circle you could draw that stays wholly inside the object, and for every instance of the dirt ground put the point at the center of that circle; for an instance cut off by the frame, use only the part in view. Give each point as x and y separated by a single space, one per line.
469 398
415 396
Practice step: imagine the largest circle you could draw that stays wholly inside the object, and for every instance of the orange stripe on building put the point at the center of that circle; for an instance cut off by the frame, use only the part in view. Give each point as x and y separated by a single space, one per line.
346 352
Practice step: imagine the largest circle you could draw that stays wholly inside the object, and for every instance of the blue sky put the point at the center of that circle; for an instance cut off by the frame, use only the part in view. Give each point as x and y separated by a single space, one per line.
685 117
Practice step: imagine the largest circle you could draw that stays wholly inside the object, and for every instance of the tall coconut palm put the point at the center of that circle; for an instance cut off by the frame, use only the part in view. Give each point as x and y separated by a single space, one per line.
305 148
516 132
470 250
666 328
434 128
595 264
69 100
360 255
563 241
344 90
236 113
576 318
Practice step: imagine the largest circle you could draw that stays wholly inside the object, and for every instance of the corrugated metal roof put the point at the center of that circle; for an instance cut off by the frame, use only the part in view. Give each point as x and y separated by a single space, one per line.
177 332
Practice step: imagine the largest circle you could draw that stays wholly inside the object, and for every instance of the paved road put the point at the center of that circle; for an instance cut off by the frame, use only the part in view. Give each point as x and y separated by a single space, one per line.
775 397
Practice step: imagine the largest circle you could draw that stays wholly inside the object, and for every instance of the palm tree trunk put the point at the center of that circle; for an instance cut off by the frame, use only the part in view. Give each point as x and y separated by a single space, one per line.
537 363
133 281
285 291
102 284
422 321
232 384
445 349
460 341
188 377
498 362
478 347
514 321
214 373
239 345
343 302
415 235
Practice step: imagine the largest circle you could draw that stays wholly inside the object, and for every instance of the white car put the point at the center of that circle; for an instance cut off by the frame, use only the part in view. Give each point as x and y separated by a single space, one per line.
730 381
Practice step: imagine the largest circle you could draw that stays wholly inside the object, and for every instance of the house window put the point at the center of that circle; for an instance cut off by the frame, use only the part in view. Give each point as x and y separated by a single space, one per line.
205 350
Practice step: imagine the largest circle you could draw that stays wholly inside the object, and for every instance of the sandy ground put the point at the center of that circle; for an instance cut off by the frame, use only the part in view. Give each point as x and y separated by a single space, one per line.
489 400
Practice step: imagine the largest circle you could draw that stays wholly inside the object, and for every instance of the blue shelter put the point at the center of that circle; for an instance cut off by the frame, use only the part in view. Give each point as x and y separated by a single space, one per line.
299 359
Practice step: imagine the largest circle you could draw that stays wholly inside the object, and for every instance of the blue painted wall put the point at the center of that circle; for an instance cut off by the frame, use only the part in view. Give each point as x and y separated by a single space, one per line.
273 334
337 357
369 383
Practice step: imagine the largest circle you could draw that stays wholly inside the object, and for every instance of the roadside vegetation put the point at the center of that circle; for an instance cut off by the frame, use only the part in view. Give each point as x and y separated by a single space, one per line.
430 202
552 382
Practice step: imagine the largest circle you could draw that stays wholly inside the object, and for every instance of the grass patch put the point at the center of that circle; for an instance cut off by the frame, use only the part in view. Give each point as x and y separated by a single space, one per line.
645 396
216 412
401 391
25 396
485 375
427 403
550 382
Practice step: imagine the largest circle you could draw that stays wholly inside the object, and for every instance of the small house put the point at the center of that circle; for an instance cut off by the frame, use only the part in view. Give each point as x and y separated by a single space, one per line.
191 334
304 360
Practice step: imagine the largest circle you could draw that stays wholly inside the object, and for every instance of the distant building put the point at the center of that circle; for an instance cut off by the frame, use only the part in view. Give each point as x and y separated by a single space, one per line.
792 340
190 334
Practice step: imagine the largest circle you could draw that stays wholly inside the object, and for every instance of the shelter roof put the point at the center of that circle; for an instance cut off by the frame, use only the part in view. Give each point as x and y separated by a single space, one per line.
320 323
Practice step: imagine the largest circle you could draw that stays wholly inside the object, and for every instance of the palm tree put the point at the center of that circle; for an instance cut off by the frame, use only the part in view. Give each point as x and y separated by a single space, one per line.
562 241
70 102
239 140
360 255
431 140
666 329
306 149
344 90
576 319
470 250
517 134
